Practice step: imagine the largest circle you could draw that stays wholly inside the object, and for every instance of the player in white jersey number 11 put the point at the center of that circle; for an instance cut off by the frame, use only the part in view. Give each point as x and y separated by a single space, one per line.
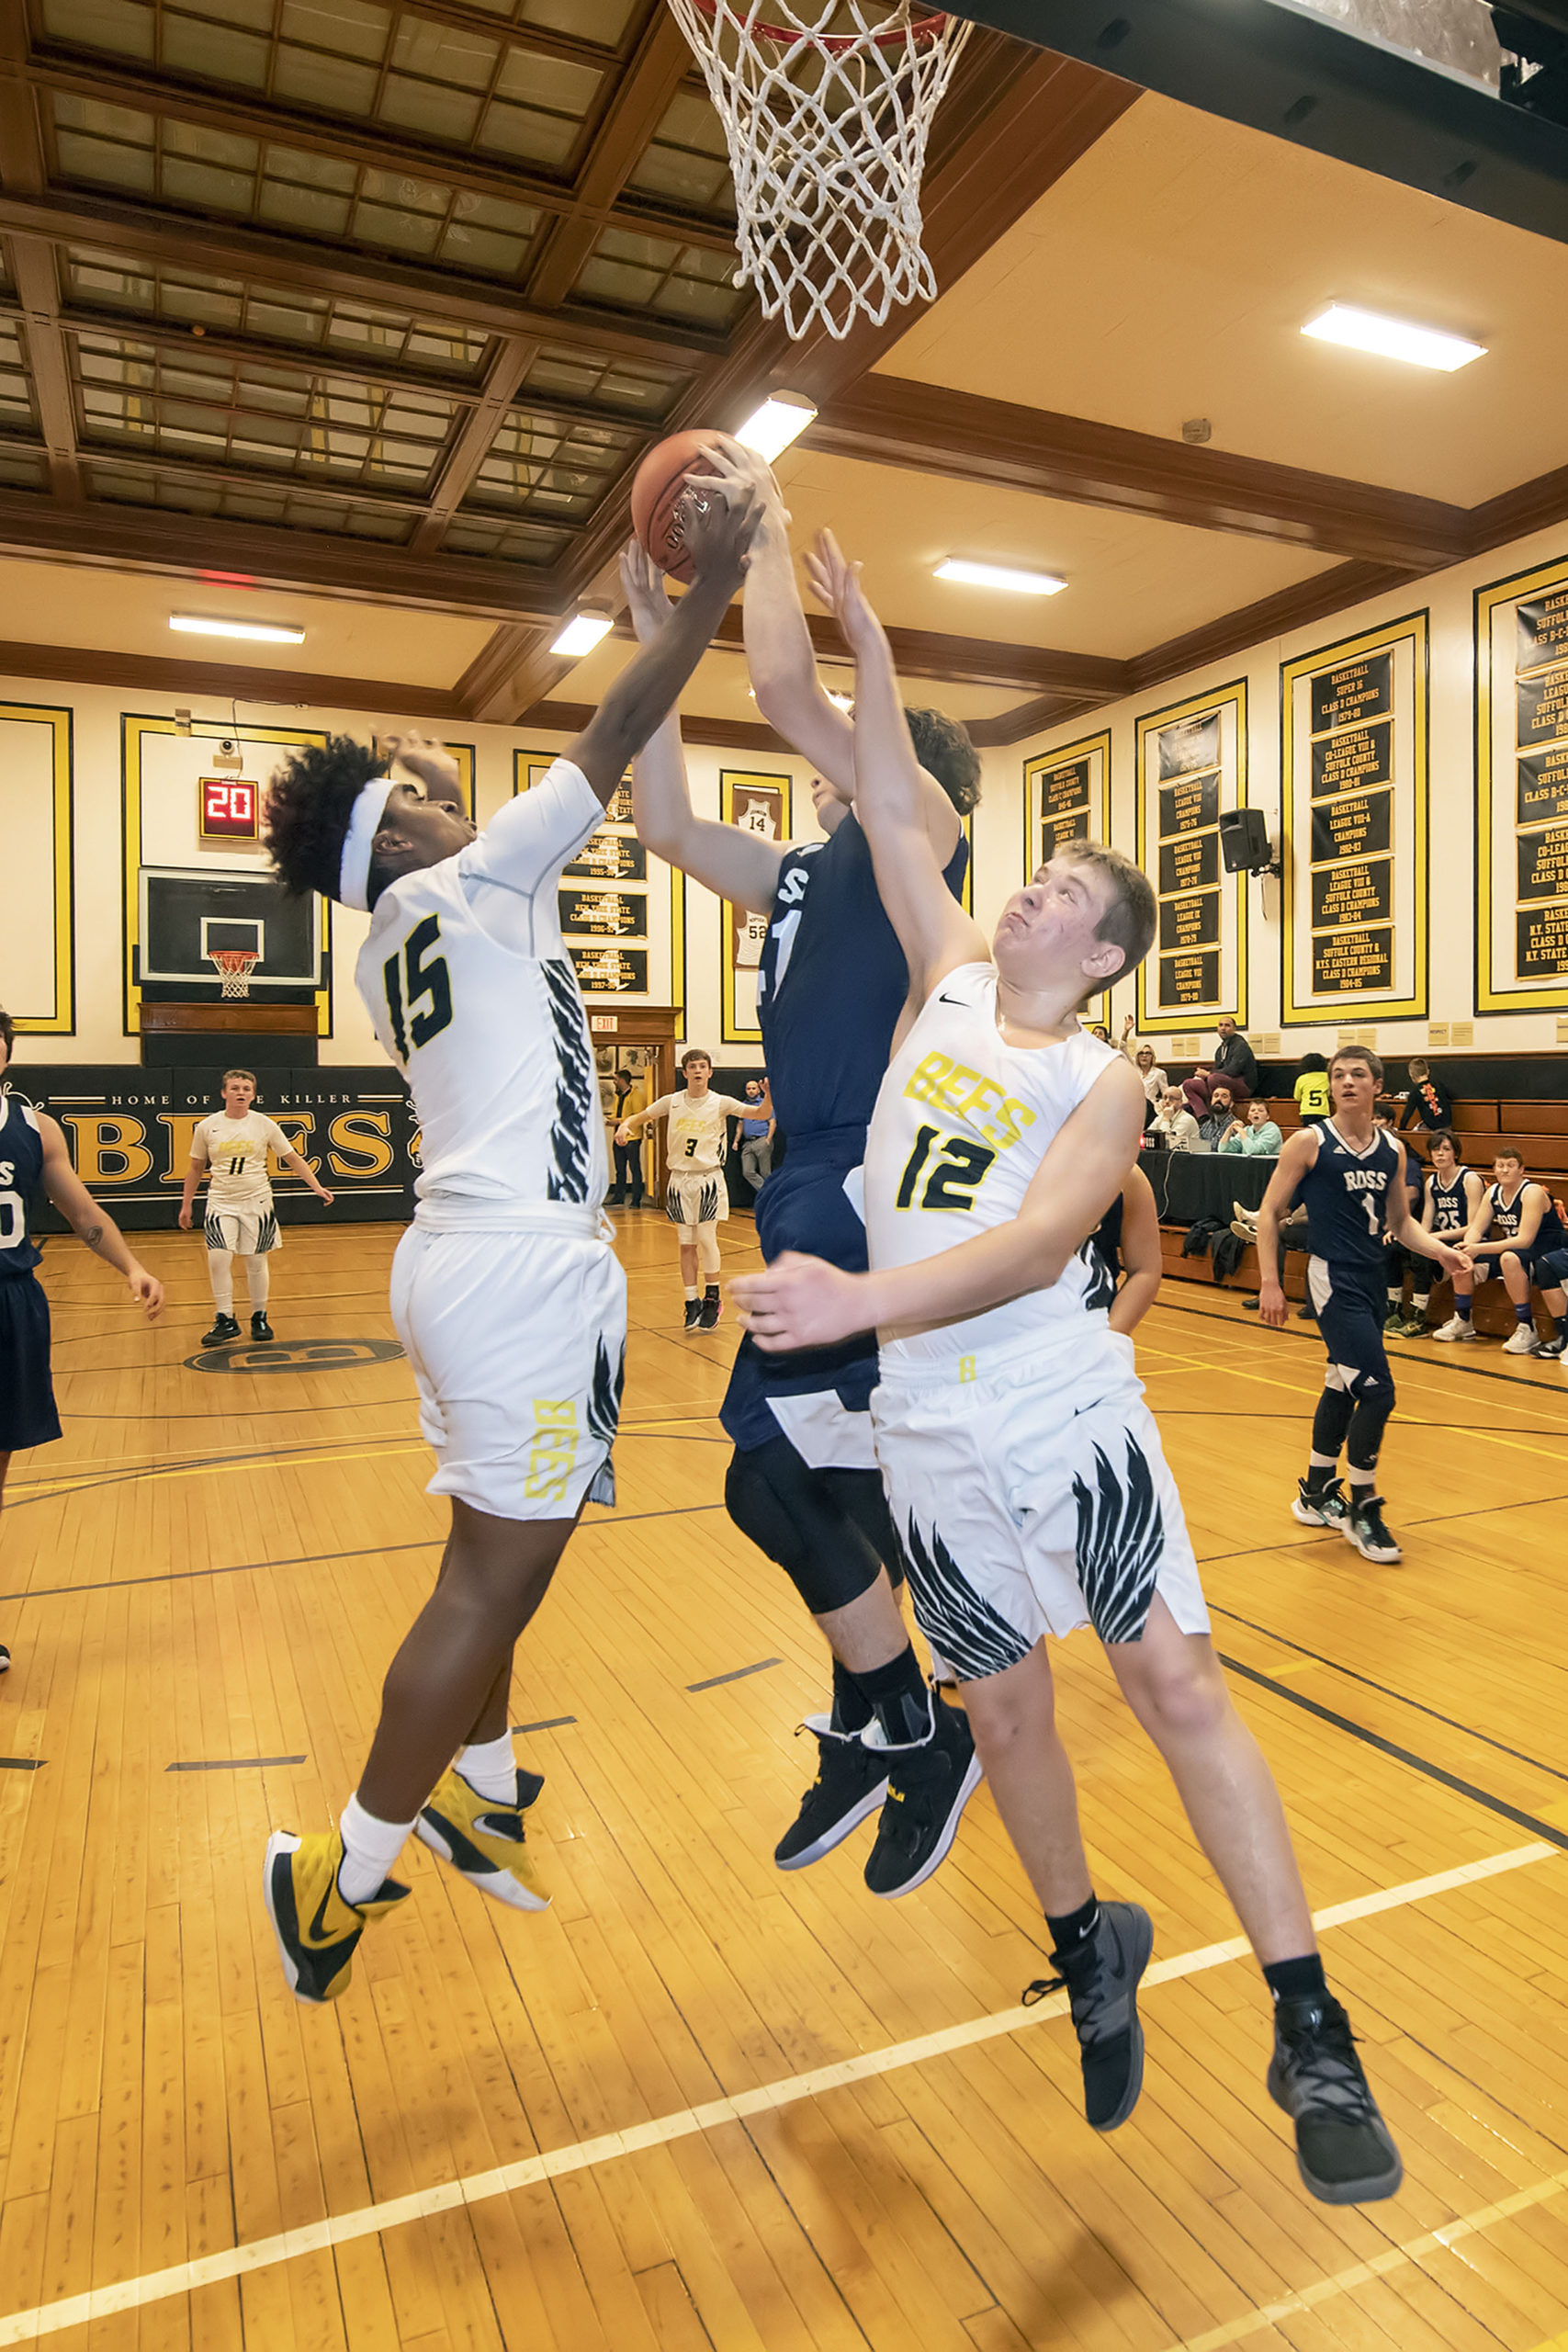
1024 1473
506 1293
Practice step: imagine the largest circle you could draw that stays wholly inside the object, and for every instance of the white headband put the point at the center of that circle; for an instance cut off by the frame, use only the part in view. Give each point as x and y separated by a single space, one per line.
364 820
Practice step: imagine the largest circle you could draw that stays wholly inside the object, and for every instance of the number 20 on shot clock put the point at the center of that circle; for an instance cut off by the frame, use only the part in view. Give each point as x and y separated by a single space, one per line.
228 809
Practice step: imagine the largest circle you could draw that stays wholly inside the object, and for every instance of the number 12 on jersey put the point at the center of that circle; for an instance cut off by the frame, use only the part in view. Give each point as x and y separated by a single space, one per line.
954 1177
407 978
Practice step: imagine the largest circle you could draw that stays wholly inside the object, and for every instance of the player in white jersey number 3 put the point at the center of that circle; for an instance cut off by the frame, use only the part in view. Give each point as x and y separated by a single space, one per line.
506 1293
696 1198
1023 1470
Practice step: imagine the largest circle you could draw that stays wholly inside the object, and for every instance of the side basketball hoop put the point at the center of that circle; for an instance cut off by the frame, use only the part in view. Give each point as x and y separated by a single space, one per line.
827 111
234 967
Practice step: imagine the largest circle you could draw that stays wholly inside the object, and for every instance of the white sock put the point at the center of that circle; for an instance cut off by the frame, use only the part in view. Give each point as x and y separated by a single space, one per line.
258 1282
489 1767
369 1849
221 1274
689 1289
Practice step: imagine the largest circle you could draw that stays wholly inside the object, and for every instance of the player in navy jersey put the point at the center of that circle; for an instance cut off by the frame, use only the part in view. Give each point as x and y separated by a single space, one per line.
803 1482
1450 1198
1516 1228
33 1160
1350 1175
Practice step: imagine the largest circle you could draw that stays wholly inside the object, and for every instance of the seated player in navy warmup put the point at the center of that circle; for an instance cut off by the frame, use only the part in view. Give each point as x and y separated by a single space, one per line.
1516 1228
1350 1175
803 1482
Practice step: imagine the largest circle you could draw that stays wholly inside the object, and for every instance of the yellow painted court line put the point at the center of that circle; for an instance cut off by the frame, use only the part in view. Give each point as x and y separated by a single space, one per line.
1395 2257
528 2172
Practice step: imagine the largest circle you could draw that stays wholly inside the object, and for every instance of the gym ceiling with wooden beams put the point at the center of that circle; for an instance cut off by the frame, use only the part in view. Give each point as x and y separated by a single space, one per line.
363 313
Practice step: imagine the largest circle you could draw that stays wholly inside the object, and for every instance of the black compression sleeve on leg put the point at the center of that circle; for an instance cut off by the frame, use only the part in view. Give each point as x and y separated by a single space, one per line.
1365 1439
1331 1422
794 1515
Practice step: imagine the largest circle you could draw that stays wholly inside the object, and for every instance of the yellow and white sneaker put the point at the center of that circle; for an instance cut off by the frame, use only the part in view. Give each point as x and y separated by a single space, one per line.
316 1927
482 1841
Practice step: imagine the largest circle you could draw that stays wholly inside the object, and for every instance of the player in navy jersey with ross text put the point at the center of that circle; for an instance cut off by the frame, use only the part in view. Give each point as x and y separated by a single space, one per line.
1350 1175
33 1160
803 1482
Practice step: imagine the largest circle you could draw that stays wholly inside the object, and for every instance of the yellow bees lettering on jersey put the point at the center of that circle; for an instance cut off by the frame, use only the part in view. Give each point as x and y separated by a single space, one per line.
551 1451
963 1093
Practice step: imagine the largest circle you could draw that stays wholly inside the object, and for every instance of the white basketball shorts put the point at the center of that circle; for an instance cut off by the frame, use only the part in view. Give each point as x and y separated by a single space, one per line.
692 1198
517 1341
1032 1498
247 1233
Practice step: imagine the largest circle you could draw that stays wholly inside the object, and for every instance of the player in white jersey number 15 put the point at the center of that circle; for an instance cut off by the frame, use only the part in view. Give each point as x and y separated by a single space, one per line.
1024 1473
506 1293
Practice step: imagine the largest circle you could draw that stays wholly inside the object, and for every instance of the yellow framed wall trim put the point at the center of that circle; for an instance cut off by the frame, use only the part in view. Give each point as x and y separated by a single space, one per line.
1191 768
761 803
1521 792
1066 797
57 953
1354 778
135 731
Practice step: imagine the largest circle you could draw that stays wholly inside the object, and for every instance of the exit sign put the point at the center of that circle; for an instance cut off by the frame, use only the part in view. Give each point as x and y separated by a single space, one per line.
228 809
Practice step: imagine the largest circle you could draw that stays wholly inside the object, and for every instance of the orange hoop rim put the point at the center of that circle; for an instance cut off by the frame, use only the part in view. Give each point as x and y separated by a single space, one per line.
234 959
928 27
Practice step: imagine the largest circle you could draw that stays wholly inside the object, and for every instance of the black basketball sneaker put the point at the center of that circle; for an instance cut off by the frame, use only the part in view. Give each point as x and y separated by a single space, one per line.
224 1328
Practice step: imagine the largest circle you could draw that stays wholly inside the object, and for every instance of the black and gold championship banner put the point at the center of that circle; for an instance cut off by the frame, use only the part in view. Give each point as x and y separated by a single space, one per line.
128 1130
1066 797
1192 767
1353 743
1521 902
612 903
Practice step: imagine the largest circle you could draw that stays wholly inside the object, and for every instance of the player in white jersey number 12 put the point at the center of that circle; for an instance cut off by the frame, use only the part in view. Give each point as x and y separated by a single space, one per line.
506 1293
1023 1470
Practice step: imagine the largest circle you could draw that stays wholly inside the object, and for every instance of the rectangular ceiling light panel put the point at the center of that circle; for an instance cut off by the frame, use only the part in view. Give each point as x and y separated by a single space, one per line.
261 632
1001 575
1392 338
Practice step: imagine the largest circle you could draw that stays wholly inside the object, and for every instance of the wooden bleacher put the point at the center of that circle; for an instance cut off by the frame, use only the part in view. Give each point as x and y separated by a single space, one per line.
1483 1125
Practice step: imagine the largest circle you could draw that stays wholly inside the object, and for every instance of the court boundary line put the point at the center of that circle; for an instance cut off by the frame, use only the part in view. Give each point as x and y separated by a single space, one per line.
767 2098
1472 1370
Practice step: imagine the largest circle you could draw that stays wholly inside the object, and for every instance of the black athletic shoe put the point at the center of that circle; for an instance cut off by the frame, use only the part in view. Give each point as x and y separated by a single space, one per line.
693 1313
711 1309
1322 1505
223 1328
852 1781
1551 1347
1362 1525
927 1788
260 1327
1101 1979
1345 2151
4 1659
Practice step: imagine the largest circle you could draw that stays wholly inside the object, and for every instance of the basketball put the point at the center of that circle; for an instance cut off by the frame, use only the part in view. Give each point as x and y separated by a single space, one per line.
656 494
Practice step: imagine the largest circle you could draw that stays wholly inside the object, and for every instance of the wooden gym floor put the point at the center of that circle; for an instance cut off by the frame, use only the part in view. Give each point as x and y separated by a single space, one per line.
701 2103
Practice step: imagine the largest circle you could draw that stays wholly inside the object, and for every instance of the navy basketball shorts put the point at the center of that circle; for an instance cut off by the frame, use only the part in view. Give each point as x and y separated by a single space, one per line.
1350 1308
27 1414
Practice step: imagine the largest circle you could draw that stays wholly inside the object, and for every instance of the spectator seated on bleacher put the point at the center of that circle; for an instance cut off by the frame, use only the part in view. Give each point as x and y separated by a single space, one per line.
1427 1103
1175 1129
1254 1135
1218 1119
1516 1228
1311 1088
1235 1066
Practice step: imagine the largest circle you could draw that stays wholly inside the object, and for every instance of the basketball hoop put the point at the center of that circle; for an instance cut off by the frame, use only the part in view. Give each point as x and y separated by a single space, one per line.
827 111
235 965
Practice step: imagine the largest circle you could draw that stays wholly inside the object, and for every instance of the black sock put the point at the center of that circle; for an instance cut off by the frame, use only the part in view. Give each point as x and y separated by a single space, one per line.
899 1699
1297 1980
851 1707
712 1291
1318 1476
1070 1931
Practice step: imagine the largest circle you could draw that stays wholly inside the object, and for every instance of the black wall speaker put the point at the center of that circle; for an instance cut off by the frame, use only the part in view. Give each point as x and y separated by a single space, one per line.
1244 841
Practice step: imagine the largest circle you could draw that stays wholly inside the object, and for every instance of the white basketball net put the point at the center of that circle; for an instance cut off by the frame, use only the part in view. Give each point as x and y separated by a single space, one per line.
235 965
827 111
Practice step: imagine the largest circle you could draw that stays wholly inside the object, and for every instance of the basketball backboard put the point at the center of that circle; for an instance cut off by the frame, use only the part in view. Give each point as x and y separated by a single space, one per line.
186 916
